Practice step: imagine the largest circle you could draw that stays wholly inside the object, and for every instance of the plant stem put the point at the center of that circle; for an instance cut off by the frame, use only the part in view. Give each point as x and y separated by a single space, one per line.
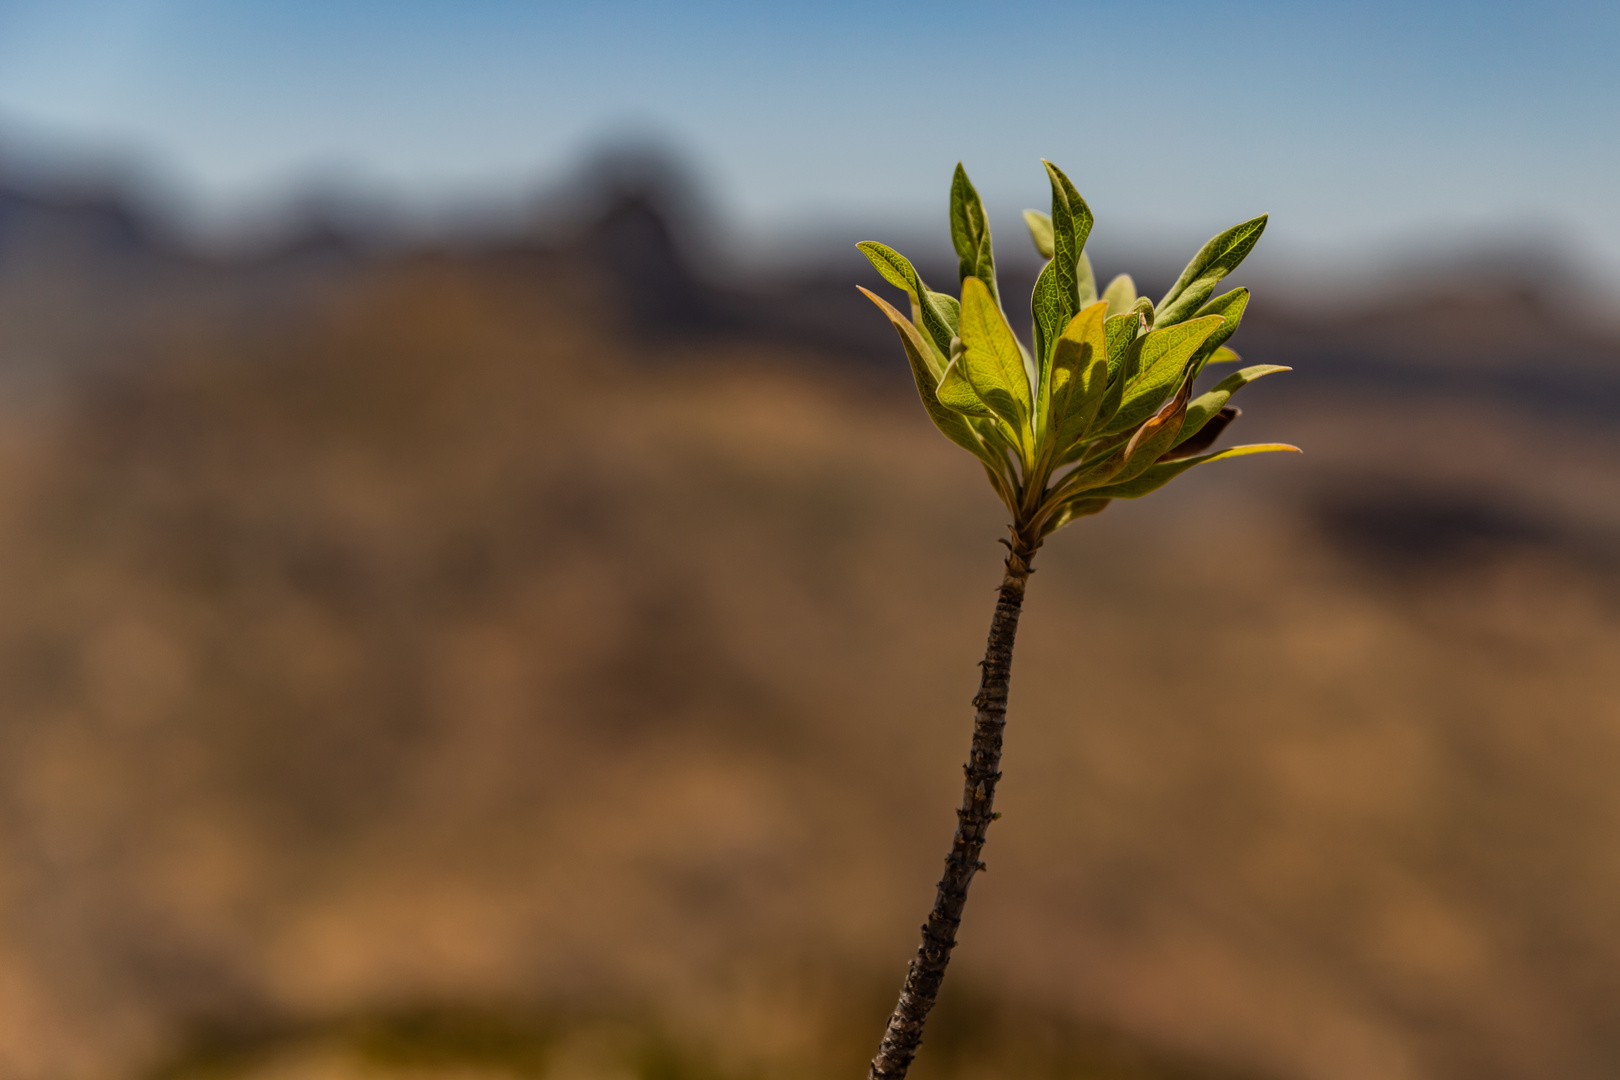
927 972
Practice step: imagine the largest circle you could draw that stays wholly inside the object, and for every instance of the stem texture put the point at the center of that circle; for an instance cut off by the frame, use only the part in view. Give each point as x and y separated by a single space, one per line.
927 972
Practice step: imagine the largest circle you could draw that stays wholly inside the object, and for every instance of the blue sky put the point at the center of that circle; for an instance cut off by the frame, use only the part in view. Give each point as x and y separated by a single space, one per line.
1364 128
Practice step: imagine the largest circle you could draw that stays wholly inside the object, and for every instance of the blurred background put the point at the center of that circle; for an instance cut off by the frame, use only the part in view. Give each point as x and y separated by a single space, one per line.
479 597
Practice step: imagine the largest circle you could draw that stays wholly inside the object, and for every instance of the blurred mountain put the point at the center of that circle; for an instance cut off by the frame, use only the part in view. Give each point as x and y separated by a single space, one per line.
546 656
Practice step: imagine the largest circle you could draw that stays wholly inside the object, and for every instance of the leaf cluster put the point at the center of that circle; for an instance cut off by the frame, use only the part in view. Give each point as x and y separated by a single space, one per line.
1102 406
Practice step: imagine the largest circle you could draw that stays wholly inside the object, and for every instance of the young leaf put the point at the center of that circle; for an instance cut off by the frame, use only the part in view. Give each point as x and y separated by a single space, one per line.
1122 334
1079 376
1214 261
970 233
1210 403
1156 435
1163 360
1057 294
1122 331
1085 281
1078 507
954 426
1206 435
1229 306
955 392
991 357
950 308
1040 231
898 271
1120 294
1164 472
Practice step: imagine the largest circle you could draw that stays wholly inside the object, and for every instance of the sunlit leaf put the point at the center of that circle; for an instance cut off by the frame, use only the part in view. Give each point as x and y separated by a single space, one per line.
955 392
1070 510
1214 261
1085 281
1121 332
1211 402
1156 435
1206 436
898 271
970 233
1120 294
1040 231
1161 363
991 357
1079 376
950 308
1164 472
1056 298
953 425
1230 307
1144 309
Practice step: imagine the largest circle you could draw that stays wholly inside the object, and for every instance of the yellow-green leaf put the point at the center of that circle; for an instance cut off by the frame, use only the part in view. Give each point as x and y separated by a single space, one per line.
1040 231
1207 404
1079 376
1056 298
992 359
1085 281
925 311
1230 307
953 425
1156 435
1071 509
1164 472
970 233
1120 294
1162 362
955 392
1214 261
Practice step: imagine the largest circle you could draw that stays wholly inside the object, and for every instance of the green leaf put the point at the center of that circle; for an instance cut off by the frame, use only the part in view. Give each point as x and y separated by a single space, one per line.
1040 231
1079 376
1164 472
1056 298
1230 307
1121 332
1086 281
991 358
1209 403
1120 294
1070 509
950 308
1223 355
1207 435
1144 308
1214 261
1110 462
925 312
1156 435
955 392
970 233
1163 359
953 425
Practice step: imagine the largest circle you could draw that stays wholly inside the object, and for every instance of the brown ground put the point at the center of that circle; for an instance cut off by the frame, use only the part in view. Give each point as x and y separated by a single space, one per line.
428 680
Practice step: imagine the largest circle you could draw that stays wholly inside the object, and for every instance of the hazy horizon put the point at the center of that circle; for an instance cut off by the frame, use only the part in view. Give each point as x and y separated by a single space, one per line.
1376 135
